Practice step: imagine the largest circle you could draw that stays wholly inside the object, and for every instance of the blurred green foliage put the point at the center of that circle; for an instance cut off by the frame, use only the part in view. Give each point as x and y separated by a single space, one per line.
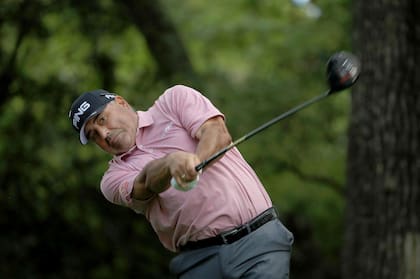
253 59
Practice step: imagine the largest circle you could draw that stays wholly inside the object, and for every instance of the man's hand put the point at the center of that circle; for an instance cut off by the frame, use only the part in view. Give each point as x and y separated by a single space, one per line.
182 167
156 175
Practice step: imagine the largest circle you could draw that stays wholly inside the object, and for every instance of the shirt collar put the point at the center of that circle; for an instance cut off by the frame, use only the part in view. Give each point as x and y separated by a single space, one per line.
145 119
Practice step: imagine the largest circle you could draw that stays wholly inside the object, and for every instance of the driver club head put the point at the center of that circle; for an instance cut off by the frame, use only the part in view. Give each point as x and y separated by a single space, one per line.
343 69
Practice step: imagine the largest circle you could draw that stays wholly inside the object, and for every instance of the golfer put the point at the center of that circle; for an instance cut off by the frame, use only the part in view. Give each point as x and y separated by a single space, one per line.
224 227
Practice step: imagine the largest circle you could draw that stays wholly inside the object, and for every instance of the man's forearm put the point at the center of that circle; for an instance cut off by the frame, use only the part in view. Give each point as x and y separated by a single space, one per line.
213 136
153 179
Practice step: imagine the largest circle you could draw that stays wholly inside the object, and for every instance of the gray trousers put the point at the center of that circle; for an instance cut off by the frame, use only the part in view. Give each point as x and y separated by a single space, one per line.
264 253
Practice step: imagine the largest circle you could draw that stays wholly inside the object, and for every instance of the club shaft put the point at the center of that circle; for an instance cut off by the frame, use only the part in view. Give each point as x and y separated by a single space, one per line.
261 128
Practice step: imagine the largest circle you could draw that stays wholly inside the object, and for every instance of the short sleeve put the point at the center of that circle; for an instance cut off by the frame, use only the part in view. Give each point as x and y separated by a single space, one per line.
189 107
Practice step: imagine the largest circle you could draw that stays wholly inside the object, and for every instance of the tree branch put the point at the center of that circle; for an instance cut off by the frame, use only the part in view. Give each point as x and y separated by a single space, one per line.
161 37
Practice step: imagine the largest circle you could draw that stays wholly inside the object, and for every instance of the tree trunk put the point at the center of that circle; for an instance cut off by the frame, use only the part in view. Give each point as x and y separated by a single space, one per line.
161 36
382 238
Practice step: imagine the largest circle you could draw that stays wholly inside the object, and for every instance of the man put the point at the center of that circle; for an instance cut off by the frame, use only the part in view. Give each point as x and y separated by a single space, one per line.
225 227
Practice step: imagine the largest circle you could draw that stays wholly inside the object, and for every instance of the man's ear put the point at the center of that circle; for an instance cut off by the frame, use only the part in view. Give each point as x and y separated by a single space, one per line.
121 101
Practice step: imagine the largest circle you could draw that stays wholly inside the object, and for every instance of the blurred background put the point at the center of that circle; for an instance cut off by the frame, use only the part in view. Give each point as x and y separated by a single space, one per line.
252 59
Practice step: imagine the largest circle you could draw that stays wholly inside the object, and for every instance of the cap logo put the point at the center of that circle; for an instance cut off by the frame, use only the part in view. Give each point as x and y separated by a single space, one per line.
80 111
109 96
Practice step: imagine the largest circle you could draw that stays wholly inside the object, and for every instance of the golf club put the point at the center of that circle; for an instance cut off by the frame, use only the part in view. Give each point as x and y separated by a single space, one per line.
343 69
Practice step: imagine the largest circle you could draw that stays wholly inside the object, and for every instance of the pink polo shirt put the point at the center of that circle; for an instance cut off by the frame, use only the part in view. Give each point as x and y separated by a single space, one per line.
228 193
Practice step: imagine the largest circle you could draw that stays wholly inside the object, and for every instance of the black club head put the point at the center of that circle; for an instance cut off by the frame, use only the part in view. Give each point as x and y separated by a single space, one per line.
343 69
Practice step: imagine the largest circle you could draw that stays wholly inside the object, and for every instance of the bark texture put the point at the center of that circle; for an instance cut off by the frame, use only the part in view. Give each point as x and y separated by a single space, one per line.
382 237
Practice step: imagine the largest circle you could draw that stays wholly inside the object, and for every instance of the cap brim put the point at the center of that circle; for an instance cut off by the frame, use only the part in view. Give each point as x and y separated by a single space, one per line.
82 136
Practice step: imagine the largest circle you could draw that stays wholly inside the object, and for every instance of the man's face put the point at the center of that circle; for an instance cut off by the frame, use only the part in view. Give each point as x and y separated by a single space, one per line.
114 129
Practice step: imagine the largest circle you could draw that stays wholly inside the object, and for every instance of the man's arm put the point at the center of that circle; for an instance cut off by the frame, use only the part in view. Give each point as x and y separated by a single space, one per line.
212 136
156 175
154 178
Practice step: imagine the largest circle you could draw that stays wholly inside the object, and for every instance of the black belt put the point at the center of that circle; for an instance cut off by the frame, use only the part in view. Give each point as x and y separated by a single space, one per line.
234 234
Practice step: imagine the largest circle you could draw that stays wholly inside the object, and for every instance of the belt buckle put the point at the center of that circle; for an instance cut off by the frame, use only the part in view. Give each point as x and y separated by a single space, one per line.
226 235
